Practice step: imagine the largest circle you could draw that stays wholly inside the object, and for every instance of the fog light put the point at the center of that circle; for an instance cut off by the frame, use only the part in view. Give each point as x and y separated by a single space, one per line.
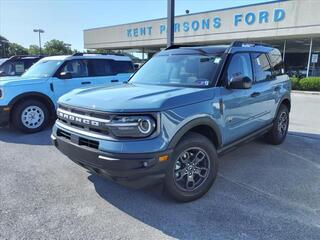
6 109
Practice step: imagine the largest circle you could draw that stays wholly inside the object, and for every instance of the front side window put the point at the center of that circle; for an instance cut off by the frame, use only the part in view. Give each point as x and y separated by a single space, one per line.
43 68
185 70
262 68
239 66
77 68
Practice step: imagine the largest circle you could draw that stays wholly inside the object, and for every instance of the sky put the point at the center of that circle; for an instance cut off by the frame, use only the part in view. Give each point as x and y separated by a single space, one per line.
66 19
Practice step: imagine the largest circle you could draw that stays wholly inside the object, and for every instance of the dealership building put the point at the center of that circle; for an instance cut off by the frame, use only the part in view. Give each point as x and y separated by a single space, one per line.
292 26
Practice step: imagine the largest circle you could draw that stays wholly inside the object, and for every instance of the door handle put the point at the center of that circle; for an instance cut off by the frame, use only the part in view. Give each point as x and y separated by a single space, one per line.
255 94
83 83
277 89
114 80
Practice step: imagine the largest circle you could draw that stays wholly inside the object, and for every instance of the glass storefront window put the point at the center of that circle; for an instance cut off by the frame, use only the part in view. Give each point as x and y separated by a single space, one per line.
315 58
296 57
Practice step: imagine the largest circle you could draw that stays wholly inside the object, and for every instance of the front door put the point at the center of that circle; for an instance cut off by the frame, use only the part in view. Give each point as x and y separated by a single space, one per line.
239 105
78 68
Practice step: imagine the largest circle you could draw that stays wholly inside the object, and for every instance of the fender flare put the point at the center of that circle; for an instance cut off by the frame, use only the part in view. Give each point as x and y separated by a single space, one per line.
31 95
202 121
283 98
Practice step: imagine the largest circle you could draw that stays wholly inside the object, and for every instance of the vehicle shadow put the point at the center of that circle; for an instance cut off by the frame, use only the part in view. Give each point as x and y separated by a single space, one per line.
230 210
10 135
154 208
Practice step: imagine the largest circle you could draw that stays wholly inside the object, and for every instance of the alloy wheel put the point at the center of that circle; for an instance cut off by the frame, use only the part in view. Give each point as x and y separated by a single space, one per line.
283 123
192 168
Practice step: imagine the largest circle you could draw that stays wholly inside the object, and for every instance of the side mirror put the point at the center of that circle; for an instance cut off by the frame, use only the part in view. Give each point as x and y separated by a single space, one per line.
65 75
240 83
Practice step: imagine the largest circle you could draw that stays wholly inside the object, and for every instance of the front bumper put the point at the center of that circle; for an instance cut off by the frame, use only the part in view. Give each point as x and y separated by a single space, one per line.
4 116
134 170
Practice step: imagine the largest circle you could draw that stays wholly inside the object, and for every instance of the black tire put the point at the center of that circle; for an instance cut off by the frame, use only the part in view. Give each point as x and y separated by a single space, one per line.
191 143
37 108
279 130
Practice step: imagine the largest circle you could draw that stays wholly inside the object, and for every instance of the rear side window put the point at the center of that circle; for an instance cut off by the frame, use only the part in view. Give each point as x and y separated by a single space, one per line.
240 66
276 61
101 67
262 68
122 67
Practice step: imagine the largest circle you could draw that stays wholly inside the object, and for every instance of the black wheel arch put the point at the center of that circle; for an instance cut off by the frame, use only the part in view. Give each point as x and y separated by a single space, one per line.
285 100
205 126
34 96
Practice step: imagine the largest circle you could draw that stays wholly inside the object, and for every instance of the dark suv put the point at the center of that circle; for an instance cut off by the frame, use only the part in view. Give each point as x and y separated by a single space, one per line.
178 112
17 65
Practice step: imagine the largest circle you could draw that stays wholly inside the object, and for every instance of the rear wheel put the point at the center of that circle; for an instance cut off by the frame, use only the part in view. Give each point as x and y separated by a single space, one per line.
193 168
279 130
30 116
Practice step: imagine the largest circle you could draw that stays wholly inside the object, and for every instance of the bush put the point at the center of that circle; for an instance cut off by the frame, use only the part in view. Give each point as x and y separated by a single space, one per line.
295 83
306 84
310 84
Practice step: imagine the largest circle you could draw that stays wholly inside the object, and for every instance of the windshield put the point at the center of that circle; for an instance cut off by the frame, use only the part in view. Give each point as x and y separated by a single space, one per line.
186 70
43 68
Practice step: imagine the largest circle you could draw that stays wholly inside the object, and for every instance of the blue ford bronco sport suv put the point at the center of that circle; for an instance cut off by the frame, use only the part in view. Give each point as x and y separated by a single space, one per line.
182 109
29 102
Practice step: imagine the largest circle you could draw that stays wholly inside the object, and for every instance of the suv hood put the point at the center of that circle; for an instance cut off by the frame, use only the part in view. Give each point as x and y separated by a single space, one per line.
135 98
14 81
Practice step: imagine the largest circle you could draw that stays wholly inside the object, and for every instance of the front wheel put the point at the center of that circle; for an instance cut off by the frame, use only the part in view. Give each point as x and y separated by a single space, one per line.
30 116
192 169
279 130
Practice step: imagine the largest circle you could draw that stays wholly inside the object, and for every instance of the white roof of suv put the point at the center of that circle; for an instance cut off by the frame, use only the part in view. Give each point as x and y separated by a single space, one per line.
89 56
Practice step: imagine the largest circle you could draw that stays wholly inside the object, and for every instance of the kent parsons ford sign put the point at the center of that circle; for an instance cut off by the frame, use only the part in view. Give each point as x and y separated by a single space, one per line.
211 23
271 20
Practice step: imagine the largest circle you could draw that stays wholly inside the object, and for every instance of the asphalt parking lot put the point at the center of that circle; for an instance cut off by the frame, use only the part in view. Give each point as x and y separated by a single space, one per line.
262 192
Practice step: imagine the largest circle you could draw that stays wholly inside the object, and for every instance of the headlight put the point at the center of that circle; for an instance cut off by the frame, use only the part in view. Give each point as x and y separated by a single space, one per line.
132 126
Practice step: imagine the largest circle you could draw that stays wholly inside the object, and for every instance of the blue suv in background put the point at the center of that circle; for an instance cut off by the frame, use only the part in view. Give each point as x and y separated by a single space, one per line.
17 65
178 112
29 102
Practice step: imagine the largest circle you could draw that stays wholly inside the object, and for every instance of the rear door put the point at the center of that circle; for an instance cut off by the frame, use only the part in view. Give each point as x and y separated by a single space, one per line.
101 72
109 72
123 69
262 89
80 77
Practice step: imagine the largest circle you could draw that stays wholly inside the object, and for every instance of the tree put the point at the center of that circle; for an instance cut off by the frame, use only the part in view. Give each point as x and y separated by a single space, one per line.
4 45
16 49
56 47
34 50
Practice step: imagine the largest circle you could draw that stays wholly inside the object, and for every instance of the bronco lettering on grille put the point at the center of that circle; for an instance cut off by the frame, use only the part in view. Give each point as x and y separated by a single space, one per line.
77 119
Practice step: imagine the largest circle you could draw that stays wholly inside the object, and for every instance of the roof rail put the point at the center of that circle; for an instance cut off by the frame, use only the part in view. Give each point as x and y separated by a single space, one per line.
248 44
103 54
77 54
23 56
183 45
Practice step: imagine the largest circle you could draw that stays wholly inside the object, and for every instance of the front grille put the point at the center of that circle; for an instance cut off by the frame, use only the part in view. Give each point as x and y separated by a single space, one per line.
87 112
84 119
